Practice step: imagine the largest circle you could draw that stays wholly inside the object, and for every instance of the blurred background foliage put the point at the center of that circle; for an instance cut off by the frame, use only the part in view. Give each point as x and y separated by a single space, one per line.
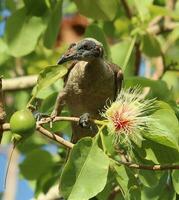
141 36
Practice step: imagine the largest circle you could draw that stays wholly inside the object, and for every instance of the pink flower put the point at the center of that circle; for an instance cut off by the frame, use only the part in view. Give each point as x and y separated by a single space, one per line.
129 115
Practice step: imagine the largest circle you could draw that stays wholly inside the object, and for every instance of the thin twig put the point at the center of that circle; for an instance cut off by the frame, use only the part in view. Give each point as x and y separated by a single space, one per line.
148 167
58 118
158 28
55 137
64 118
137 58
127 9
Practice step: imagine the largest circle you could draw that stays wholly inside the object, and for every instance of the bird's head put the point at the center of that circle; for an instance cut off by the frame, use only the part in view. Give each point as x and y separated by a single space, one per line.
87 49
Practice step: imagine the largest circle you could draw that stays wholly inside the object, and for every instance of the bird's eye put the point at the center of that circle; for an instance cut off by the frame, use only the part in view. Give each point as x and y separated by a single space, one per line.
71 45
86 47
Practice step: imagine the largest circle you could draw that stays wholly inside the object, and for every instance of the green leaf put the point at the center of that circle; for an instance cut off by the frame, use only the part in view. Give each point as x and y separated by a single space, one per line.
34 7
96 32
53 25
150 45
163 11
142 8
105 10
158 87
172 80
122 178
175 180
163 191
122 54
148 178
44 92
160 154
31 168
85 173
111 179
165 119
129 185
3 52
48 76
22 33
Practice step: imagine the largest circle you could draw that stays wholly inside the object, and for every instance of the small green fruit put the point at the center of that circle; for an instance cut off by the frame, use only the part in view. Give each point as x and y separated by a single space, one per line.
22 123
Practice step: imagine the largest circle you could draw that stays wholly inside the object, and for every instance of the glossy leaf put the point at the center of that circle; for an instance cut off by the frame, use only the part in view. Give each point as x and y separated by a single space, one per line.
48 76
164 133
142 8
100 9
23 32
37 8
163 11
158 87
163 191
53 25
128 183
119 53
148 178
172 80
158 153
151 46
175 180
87 165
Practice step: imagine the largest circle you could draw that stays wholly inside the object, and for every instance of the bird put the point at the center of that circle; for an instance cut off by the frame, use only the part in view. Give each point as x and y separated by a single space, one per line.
90 82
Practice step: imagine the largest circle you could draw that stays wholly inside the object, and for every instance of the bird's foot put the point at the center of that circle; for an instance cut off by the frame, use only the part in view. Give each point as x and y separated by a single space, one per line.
84 121
38 115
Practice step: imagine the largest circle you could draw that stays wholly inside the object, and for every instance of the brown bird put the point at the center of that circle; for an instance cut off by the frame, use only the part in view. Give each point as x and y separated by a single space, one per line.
89 83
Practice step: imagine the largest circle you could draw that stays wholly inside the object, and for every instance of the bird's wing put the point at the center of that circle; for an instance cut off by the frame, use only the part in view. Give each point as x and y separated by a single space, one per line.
118 76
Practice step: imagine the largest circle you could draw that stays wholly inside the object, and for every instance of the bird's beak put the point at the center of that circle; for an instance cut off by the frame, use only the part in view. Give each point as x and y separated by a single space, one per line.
69 55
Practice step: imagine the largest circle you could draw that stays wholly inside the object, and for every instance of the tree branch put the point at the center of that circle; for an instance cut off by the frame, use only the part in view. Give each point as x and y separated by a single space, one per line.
54 137
19 83
148 167
70 145
137 58
161 28
127 9
64 118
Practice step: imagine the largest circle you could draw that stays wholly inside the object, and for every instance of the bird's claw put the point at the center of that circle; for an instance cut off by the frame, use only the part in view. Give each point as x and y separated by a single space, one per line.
84 121
38 115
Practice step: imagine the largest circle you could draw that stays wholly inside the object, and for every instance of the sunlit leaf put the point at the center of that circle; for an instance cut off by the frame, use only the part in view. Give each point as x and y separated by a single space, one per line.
37 8
23 32
150 45
119 53
48 76
163 11
172 80
53 25
164 134
100 9
162 191
87 165
175 180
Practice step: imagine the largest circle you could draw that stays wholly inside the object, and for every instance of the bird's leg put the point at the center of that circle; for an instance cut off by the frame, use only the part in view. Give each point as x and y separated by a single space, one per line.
60 101
84 121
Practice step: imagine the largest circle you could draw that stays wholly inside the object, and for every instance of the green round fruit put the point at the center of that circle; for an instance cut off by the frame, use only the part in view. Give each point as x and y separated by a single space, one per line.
22 123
